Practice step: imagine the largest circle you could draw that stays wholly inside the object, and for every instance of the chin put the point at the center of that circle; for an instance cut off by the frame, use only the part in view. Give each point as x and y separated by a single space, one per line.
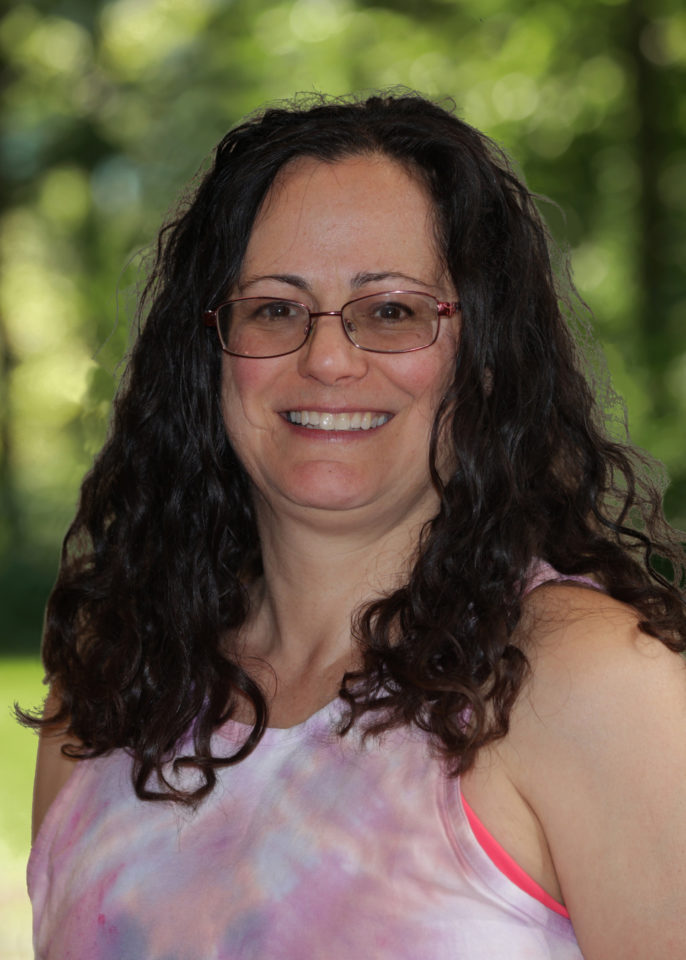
335 504
328 486
330 498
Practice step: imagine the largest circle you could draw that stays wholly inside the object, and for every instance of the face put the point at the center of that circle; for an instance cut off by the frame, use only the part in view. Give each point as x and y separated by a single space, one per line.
327 233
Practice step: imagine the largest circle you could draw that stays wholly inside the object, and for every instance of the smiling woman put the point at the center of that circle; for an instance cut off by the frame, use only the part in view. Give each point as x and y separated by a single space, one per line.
354 649
353 226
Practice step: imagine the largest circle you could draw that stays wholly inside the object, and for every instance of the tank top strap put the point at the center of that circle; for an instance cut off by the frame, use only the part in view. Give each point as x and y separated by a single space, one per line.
541 572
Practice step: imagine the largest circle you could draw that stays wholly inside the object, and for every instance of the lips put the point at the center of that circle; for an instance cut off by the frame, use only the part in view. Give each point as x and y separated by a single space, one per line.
327 420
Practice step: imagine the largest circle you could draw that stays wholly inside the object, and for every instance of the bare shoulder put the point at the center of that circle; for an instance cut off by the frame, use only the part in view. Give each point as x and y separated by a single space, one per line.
53 769
584 644
597 748
597 681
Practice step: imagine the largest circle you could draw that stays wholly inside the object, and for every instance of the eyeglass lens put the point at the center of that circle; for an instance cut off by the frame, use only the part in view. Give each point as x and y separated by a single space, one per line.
394 322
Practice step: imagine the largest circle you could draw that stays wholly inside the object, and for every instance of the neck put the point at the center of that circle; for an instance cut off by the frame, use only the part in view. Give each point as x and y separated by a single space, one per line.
318 570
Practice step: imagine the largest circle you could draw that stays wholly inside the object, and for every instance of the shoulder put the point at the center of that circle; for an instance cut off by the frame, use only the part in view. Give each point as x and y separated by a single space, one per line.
597 748
53 769
598 684
587 651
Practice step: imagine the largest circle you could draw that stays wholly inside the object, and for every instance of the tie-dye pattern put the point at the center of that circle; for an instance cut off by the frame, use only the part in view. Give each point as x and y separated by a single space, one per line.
313 847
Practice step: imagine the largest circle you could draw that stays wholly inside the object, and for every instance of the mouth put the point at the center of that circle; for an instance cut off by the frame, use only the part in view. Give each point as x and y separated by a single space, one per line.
325 420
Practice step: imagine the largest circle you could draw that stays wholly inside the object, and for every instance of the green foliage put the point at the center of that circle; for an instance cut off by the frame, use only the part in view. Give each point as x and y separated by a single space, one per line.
111 107
20 679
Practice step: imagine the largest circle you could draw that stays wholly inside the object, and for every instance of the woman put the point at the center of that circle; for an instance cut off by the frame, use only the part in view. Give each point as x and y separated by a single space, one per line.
357 648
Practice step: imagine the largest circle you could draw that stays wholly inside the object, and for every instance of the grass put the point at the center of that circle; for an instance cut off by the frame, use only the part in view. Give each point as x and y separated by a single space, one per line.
20 680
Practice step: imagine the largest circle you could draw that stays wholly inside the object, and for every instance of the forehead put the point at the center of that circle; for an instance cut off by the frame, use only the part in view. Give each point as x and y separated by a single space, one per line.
308 181
352 209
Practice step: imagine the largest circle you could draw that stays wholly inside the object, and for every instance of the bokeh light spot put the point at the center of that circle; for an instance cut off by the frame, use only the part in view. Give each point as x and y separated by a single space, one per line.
317 20
515 96
115 185
59 45
65 195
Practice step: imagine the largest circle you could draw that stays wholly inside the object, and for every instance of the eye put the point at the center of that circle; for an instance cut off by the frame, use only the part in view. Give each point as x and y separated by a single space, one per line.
266 312
392 311
278 310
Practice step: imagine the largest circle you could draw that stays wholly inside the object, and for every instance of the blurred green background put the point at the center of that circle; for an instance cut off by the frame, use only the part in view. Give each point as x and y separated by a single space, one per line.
110 108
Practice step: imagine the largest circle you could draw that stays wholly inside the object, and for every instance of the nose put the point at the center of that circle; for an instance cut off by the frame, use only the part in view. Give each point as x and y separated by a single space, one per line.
328 355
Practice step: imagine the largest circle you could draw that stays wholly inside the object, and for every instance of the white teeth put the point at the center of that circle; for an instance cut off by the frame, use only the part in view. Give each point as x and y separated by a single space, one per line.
337 421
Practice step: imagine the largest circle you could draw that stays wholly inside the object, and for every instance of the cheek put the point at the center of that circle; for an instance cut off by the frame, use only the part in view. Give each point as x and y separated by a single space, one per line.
242 386
432 382
245 422
428 378
445 368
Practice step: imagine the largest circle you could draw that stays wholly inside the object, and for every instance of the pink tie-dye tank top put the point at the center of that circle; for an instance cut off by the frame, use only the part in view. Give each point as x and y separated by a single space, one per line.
315 846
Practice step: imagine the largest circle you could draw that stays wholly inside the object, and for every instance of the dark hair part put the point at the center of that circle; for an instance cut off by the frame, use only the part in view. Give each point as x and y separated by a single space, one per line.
152 580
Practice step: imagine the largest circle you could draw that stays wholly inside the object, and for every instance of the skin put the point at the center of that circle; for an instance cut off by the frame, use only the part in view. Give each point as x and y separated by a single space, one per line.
353 228
335 509
587 791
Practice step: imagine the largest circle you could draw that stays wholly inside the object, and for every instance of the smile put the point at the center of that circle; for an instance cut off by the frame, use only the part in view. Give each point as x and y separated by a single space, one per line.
324 420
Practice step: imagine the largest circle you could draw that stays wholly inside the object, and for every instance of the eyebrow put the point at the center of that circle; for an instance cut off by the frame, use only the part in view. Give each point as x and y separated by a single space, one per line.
358 281
292 279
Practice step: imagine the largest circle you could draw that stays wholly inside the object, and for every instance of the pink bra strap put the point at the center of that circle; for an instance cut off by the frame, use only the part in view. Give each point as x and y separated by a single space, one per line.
507 866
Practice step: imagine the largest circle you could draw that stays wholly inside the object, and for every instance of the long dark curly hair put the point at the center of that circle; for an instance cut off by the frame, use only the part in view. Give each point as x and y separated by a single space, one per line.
155 567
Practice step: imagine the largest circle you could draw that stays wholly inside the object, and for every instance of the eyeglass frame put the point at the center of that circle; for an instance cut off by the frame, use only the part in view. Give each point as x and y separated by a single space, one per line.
444 308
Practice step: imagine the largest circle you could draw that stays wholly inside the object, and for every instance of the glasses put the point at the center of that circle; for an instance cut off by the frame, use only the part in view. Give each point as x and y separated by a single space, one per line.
398 321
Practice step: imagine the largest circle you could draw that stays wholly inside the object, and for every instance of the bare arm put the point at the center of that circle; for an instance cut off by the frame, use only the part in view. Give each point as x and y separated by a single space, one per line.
597 747
52 769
